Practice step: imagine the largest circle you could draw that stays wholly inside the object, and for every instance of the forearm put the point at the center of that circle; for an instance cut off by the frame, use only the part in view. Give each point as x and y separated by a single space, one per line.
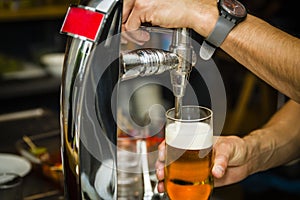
268 52
277 142
265 50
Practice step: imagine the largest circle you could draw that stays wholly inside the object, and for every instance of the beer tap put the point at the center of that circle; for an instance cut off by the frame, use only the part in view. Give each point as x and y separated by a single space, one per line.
179 61
182 46
93 67
146 62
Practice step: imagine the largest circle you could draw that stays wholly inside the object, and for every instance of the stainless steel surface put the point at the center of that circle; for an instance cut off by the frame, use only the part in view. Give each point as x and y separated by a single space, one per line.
157 29
88 127
88 100
146 62
182 46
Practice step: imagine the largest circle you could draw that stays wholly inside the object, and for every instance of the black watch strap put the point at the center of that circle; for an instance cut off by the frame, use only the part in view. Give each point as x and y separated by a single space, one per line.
216 37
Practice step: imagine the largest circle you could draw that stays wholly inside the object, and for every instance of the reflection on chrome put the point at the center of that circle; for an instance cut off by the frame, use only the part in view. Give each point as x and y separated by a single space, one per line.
93 66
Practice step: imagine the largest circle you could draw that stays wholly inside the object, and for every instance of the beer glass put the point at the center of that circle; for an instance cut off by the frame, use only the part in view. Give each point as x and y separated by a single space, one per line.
189 154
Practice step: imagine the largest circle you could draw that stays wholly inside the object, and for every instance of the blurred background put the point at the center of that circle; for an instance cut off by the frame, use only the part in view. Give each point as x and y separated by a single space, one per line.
31 56
29 31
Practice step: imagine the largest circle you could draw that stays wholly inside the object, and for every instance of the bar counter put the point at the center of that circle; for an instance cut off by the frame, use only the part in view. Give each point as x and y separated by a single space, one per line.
34 184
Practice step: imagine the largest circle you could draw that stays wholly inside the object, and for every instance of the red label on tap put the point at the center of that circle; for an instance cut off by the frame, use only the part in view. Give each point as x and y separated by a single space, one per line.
82 22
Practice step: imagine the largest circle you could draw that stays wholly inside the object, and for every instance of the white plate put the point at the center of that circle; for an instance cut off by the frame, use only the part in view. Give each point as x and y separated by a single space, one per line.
54 63
14 164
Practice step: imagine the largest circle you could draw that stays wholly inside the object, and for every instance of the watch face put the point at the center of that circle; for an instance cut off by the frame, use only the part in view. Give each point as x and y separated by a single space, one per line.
233 7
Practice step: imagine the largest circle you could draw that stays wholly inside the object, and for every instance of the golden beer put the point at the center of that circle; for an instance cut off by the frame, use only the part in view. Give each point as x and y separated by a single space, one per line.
189 176
189 160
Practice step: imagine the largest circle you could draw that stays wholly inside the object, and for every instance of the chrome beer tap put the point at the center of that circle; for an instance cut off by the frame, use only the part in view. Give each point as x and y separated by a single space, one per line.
179 61
182 46
93 67
146 62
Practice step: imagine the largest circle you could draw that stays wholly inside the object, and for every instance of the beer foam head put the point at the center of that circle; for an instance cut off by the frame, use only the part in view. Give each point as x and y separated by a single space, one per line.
190 136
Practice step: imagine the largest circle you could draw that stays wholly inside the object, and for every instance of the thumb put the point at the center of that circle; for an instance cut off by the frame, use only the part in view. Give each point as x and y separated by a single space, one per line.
221 160
220 165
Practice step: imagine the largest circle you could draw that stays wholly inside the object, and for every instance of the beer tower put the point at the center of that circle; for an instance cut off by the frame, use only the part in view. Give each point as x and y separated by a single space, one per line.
93 66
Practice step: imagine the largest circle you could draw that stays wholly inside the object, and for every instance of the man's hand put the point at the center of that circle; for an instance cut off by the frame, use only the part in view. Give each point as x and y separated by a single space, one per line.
230 161
199 15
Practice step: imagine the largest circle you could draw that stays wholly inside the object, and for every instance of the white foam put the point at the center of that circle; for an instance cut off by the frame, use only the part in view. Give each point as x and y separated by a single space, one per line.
191 136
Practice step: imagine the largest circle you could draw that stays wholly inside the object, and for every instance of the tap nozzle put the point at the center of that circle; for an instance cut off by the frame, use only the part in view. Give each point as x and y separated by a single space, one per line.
182 46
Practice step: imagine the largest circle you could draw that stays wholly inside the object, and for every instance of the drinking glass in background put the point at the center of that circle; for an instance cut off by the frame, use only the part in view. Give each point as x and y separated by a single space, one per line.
11 186
189 154
130 185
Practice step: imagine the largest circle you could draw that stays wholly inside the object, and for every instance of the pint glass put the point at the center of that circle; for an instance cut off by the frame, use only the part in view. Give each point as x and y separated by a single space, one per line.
189 154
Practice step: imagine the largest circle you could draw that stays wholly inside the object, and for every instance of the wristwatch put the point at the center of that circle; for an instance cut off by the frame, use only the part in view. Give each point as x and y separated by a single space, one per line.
231 13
